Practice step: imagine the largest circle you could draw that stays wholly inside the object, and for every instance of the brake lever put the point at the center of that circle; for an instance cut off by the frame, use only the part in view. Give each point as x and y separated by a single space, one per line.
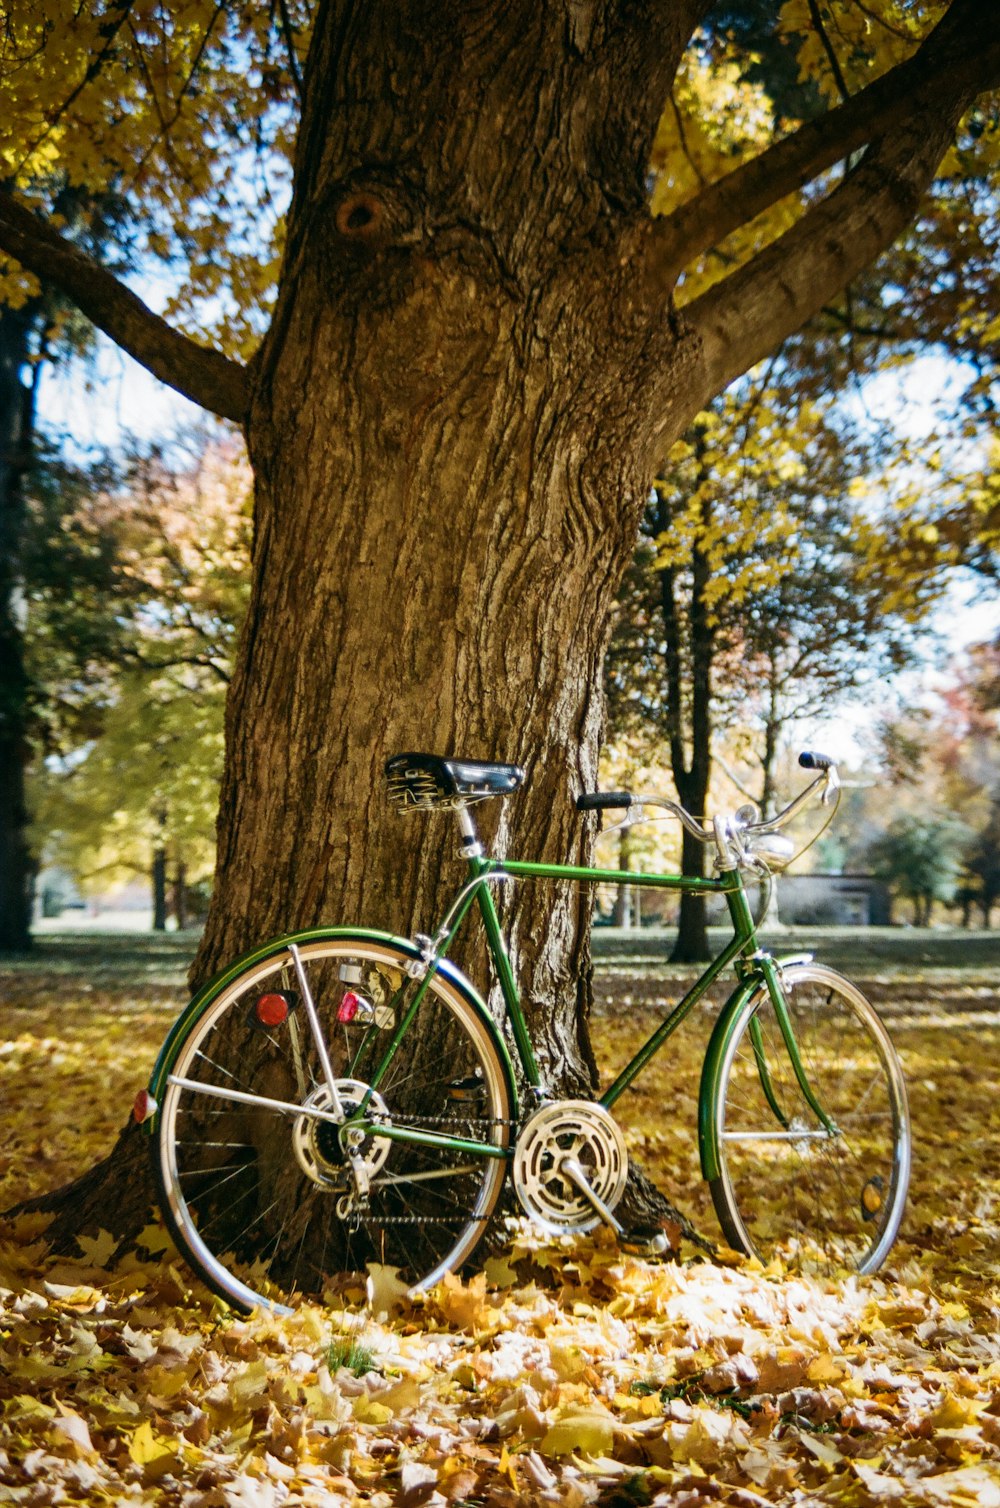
632 818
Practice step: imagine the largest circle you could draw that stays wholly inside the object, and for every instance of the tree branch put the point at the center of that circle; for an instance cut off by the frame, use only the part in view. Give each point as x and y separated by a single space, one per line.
827 45
201 374
959 58
742 318
288 37
751 311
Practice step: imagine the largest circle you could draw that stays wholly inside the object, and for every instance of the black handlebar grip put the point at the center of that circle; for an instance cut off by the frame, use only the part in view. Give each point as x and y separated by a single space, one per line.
812 761
599 801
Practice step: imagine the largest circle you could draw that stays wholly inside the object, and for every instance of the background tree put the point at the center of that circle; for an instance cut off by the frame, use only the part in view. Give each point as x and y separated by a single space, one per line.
16 425
136 788
921 857
64 623
757 595
473 366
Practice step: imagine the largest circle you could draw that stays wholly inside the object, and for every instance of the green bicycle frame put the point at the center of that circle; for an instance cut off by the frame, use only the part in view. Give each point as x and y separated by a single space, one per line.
756 971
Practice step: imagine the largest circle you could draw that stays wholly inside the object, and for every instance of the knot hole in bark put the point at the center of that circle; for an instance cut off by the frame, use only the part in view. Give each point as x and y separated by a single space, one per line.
360 216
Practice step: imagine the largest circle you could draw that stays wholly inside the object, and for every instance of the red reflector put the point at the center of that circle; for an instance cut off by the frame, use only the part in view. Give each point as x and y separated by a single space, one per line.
348 1006
272 1010
143 1106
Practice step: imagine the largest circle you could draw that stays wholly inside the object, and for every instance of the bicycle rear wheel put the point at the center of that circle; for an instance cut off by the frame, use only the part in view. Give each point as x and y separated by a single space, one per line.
253 1182
788 1186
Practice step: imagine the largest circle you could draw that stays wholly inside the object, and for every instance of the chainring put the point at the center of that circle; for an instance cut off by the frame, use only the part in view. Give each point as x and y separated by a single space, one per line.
565 1129
316 1143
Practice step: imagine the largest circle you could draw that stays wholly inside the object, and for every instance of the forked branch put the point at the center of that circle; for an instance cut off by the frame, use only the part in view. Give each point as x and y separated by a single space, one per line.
958 59
745 316
200 373
757 306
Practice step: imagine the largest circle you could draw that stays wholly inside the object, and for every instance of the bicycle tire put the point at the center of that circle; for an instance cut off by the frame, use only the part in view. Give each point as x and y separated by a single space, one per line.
820 1202
250 1193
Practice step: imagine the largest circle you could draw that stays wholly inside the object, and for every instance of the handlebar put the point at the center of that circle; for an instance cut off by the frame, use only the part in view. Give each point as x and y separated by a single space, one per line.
600 801
625 801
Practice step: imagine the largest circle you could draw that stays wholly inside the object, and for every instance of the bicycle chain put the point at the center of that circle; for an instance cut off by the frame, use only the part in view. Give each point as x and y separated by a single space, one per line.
687 1228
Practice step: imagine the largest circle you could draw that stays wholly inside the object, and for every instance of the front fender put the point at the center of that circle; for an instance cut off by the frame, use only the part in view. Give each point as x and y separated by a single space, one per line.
209 992
711 1071
708 1141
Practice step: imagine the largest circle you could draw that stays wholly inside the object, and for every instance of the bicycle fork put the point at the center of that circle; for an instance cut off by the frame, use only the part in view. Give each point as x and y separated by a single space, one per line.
772 973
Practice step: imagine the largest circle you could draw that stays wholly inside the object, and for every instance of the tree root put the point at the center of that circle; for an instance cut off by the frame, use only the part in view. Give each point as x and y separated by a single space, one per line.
115 1195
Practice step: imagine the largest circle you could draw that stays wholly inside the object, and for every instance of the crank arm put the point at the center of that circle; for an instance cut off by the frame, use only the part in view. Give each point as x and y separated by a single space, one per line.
570 1168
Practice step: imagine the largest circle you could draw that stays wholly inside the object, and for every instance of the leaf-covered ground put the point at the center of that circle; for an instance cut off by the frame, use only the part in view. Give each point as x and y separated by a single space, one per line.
573 1375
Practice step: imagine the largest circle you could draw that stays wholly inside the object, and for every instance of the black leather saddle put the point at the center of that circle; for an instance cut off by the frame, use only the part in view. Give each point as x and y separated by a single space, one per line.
428 781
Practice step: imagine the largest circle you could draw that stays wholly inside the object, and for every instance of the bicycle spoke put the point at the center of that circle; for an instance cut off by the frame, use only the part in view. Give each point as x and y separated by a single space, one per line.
289 1210
797 1191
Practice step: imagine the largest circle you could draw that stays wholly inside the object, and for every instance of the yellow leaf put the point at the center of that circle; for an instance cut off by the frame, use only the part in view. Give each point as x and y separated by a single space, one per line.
369 1411
956 1413
156 1454
164 1382
506 1464
99 1249
385 1291
824 1368
468 1307
584 1431
499 1272
249 1382
405 1395
154 1239
23 1406
822 1449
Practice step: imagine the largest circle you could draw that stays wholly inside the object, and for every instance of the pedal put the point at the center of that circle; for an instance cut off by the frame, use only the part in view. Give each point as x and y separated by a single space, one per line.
644 1242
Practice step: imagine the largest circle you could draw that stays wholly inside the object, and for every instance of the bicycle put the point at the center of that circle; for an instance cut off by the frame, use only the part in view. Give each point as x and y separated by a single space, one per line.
341 1097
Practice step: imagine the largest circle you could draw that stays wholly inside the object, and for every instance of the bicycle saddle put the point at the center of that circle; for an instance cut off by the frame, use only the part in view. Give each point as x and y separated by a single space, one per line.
430 781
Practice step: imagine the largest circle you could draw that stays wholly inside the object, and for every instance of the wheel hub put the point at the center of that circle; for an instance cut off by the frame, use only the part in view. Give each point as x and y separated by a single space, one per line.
317 1143
565 1131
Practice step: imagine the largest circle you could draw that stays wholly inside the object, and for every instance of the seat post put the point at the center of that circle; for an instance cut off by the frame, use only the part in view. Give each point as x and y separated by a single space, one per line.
471 846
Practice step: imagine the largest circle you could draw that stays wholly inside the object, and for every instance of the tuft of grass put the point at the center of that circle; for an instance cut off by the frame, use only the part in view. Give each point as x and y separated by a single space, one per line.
350 1353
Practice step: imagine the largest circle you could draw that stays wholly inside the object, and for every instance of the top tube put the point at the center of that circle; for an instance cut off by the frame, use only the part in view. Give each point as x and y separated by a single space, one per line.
718 885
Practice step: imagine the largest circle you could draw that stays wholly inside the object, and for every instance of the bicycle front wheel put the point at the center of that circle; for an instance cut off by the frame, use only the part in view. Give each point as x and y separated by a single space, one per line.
253 1181
820 1197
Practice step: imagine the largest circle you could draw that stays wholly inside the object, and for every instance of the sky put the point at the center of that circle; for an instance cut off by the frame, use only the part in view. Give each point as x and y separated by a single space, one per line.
98 405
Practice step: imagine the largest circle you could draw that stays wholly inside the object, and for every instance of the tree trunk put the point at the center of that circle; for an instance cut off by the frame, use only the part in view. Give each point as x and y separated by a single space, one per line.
158 876
180 895
454 423
16 433
623 894
452 441
690 645
691 944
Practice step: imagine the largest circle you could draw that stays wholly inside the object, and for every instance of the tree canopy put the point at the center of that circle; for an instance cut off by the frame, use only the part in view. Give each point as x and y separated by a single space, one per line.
861 105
